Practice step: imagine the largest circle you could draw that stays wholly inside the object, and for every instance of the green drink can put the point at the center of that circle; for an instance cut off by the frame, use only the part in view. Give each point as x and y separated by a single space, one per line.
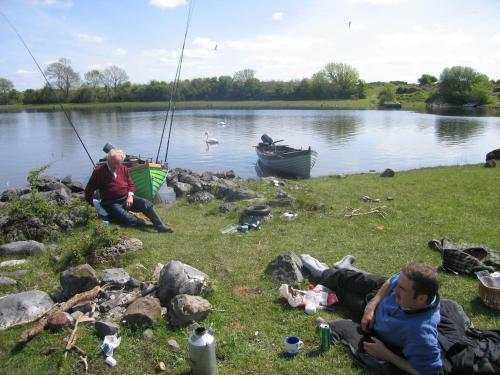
324 336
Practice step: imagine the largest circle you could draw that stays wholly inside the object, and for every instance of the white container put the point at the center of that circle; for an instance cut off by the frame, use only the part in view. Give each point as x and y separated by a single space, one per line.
310 300
202 352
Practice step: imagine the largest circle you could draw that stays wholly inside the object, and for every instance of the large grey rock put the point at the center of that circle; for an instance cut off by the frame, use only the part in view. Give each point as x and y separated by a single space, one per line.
10 194
13 263
19 248
200 196
7 281
115 276
106 329
285 269
23 306
52 186
191 179
78 279
59 196
181 188
144 311
232 192
185 309
179 278
74 186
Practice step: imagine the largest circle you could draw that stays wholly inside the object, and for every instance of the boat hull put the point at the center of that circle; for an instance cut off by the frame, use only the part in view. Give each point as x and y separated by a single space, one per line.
297 163
148 179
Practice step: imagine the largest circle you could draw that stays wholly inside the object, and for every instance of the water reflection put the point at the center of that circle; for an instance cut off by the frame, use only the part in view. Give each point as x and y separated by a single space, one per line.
337 128
456 130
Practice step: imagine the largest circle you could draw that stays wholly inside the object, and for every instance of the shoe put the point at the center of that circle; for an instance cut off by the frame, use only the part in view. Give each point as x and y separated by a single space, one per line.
162 228
345 262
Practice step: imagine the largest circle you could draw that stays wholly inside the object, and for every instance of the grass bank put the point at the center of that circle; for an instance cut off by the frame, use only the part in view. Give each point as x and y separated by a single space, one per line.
251 321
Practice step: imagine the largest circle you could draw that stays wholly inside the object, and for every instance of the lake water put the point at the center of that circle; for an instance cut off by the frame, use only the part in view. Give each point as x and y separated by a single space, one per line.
347 141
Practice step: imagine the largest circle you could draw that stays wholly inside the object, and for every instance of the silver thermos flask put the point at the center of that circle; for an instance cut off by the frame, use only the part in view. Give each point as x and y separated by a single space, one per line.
202 352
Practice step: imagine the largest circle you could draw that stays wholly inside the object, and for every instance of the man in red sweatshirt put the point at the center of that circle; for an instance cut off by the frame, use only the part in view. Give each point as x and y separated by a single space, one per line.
116 188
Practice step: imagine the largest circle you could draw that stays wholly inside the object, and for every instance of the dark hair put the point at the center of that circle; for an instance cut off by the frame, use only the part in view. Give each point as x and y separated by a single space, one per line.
424 278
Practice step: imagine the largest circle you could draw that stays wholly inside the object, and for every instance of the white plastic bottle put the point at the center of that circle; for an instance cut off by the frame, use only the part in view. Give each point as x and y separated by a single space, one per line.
310 300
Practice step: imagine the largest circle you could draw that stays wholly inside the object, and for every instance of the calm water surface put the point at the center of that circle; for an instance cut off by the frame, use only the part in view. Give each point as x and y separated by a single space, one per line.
347 141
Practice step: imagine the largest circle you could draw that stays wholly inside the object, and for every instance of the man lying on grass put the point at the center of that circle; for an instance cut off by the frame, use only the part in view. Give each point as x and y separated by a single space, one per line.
398 316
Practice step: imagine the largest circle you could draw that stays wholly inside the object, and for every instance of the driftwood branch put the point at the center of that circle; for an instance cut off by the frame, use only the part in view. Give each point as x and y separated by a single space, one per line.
29 334
351 212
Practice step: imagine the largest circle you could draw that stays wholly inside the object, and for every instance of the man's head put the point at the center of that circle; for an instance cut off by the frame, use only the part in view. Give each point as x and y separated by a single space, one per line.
114 158
417 286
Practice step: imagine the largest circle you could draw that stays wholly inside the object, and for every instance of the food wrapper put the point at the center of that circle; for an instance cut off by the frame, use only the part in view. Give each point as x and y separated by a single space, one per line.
325 298
490 280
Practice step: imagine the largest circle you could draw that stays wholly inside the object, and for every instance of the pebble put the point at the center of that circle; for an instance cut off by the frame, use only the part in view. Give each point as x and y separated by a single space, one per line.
173 345
76 315
7 281
148 334
13 262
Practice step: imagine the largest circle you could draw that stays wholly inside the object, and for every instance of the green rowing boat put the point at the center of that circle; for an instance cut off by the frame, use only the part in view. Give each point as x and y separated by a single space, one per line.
148 179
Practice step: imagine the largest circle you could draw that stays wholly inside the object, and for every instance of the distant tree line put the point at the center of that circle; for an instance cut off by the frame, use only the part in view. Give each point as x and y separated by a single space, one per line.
456 85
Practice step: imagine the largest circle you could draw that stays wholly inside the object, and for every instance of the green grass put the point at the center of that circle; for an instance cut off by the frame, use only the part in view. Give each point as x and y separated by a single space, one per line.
460 203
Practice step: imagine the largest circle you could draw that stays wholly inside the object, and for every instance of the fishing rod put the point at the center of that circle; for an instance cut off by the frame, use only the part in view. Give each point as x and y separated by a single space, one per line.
173 91
49 85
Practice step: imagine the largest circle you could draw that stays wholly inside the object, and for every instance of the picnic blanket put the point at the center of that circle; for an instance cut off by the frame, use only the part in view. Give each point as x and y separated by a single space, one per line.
466 258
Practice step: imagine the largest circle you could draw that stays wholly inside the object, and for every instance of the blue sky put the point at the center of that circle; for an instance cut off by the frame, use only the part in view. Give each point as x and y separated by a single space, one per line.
279 39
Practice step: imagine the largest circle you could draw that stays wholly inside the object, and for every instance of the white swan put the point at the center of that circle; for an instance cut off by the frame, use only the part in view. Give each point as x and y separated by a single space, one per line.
211 141
222 124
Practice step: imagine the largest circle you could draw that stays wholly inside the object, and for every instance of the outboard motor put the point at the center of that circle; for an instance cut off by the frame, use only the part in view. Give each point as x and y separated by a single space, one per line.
108 147
267 140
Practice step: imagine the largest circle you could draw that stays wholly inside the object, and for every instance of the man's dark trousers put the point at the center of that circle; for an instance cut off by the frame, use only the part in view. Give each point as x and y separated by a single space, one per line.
353 288
117 210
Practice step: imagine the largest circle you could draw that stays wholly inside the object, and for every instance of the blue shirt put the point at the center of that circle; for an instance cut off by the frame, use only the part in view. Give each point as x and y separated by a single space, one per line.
414 331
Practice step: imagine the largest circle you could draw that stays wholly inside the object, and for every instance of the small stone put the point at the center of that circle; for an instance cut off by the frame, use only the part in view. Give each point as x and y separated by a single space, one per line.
148 334
133 283
156 273
115 276
78 279
103 329
226 207
13 263
26 248
230 174
84 307
388 173
76 315
161 367
59 320
200 196
145 310
390 198
55 259
186 309
173 345
7 281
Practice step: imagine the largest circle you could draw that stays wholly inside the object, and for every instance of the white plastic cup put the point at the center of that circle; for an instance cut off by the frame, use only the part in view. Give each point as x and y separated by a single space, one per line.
110 361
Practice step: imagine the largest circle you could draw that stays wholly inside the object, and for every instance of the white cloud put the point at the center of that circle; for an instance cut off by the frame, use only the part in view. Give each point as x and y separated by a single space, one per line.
53 3
204 43
167 3
277 16
88 38
24 73
494 38
378 2
162 56
120 51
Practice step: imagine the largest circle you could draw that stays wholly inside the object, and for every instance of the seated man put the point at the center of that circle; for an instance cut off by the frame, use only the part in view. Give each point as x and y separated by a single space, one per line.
116 188
399 316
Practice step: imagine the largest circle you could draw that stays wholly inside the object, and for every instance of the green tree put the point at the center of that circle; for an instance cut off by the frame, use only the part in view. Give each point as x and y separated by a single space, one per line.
93 78
387 94
343 79
62 76
462 84
244 75
361 88
7 92
427 80
113 77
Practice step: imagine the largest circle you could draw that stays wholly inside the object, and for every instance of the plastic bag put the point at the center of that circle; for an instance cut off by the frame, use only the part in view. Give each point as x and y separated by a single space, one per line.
325 298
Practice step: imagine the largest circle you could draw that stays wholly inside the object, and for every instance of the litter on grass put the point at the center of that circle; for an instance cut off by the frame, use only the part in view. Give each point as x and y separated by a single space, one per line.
289 216
324 298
